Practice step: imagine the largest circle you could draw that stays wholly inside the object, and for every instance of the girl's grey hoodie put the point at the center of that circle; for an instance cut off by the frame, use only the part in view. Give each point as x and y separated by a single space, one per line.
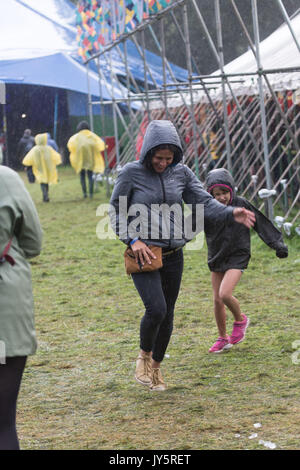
229 247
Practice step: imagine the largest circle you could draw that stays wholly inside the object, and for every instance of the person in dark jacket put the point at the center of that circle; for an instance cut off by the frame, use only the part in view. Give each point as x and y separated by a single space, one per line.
24 146
229 254
160 179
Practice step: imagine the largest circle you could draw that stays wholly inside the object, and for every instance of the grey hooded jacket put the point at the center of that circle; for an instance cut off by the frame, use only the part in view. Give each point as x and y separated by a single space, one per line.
229 247
139 193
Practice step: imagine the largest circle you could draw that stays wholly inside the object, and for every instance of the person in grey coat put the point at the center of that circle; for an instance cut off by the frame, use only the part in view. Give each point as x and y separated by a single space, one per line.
229 255
160 180
20 240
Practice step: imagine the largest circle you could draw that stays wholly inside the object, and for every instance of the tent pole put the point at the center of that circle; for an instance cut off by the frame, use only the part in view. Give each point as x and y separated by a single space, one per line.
115 101
102 113
128 96
198 72
190 71
6 154
90 104
198 131
243 25
114 112
282 114
143 57
112 6
165 92
163 60
145 76
206 31
55 115
4 120
287 20
262 108
158 89
221 65
114 76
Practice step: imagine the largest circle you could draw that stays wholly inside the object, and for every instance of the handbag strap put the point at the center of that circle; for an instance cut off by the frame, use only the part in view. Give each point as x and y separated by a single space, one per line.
5 256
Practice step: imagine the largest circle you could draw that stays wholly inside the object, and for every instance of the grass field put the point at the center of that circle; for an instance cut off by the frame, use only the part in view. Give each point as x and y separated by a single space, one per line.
79 391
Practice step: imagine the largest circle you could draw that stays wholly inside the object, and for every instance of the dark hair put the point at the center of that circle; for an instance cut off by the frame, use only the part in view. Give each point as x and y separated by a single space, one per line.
150 154
82 125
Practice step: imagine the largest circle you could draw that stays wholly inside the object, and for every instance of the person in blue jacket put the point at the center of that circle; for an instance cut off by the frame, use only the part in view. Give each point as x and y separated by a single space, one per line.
159 178
51 142
229 255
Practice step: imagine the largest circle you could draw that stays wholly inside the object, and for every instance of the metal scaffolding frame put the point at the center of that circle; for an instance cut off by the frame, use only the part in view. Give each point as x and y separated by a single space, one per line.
257 136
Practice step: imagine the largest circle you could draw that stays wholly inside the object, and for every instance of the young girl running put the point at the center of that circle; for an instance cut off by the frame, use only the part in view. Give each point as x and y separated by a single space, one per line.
229 254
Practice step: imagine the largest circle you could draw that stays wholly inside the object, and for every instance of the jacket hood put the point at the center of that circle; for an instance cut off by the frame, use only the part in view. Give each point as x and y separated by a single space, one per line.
41 139
161 132
222 178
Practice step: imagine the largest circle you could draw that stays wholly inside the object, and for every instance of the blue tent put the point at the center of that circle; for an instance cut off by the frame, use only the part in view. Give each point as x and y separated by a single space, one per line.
57 70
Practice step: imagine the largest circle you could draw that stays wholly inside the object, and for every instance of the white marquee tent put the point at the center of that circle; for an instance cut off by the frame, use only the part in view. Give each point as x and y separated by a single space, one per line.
278 51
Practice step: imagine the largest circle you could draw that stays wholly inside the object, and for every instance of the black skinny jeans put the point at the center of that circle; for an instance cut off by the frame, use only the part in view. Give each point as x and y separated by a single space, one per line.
159 291
10 381
45 191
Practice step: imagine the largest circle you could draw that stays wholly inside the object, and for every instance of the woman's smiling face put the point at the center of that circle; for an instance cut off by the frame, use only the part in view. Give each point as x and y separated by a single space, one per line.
162 159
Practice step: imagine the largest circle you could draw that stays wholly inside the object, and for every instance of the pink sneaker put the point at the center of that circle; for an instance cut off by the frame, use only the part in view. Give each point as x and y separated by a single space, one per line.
239 330
222 344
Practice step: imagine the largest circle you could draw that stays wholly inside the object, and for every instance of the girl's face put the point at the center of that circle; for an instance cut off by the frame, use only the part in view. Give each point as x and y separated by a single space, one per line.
221 195
162 159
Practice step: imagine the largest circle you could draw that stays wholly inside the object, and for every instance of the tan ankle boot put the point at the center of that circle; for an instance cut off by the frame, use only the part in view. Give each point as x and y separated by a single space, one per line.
158 383
143 372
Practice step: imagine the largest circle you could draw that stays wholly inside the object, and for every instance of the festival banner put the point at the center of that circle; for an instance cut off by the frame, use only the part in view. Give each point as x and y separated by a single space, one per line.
101 22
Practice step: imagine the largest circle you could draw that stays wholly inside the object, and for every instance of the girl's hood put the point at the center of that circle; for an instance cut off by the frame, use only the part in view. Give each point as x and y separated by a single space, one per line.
222 178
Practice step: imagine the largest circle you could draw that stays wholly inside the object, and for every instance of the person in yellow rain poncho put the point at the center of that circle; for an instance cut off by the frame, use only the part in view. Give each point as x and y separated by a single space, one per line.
86 155
43 160
210 139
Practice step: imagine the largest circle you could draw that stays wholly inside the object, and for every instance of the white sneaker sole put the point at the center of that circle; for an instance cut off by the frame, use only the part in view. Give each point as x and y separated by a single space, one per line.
160 389
228 346
146 384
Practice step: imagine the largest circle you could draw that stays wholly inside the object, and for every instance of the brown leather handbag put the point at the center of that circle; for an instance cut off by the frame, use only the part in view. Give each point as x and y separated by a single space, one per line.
131 266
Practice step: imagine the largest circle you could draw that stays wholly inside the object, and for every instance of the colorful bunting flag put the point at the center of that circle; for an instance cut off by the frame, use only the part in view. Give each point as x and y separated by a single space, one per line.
100 22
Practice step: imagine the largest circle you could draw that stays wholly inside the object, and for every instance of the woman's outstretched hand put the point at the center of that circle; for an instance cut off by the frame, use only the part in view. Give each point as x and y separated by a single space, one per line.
243 216
142 253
